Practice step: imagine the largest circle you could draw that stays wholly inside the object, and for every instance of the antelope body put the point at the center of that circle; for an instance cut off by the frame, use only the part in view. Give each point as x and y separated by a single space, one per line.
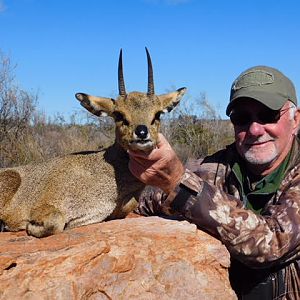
84 188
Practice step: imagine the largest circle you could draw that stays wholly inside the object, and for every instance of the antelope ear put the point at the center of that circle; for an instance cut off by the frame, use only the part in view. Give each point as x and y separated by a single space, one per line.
98 106
169 101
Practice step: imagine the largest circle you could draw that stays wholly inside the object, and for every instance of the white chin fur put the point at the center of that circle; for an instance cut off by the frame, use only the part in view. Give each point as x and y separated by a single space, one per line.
148 146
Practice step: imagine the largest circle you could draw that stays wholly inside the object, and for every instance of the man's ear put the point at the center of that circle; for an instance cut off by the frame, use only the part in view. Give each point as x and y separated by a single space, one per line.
297 121
98 106
169 101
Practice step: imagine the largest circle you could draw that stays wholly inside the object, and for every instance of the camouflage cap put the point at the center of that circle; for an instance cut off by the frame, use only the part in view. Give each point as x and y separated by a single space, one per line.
264 84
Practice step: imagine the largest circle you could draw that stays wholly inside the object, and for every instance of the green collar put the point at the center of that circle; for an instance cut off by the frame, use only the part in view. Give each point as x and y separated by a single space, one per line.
256 195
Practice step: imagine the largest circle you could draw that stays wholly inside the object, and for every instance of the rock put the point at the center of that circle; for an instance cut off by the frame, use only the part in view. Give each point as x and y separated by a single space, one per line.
134 258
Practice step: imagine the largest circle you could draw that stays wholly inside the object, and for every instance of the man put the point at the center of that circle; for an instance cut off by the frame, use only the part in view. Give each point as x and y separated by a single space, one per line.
247 195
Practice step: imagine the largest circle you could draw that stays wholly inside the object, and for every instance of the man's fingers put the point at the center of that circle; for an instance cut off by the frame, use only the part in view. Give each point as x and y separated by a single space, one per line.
154 155
137 154
161 140
135 168
140 172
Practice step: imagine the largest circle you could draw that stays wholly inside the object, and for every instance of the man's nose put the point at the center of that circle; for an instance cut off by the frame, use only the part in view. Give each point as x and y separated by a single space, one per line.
256 129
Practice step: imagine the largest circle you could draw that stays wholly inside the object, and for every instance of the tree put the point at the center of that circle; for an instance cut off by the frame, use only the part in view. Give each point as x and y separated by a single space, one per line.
17 108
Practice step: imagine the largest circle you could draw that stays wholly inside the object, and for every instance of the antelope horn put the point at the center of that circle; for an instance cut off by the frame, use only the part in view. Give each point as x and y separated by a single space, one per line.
122 91
150 74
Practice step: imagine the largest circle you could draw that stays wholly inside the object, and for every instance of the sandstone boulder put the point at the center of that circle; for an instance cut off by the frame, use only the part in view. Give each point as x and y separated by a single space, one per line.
133 258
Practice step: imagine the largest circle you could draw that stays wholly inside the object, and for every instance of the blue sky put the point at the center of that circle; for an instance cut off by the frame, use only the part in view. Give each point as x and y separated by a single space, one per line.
63 47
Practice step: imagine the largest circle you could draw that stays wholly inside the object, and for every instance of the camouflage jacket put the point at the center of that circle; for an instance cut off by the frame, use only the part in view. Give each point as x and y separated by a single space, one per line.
208 196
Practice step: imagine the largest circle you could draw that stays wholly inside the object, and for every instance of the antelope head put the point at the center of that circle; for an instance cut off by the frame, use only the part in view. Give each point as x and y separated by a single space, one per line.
136 114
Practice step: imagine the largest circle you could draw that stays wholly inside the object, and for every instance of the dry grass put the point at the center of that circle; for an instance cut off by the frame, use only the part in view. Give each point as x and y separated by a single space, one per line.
195 136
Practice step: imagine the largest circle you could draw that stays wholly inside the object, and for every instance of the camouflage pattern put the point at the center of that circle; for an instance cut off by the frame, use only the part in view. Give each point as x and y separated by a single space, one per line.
269 241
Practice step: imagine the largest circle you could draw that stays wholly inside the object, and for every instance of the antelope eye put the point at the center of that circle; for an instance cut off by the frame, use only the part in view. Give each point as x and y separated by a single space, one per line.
120 118
156 117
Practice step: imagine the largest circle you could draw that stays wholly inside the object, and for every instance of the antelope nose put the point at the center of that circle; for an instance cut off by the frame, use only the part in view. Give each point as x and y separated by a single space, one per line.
141 131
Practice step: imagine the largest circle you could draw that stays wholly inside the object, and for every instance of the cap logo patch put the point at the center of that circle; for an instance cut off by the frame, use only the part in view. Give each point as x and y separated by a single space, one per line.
253 78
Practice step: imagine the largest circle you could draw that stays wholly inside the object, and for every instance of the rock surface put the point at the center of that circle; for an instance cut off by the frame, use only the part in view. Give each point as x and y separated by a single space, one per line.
133 258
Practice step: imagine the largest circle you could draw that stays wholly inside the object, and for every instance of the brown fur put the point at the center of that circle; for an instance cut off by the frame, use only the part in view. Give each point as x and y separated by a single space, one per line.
84 188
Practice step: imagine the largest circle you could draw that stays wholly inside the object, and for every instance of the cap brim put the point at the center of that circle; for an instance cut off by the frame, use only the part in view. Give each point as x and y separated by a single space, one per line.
265 98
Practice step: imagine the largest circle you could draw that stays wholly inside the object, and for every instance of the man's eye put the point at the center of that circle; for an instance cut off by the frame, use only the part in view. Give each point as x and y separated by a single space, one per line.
120 118
156 117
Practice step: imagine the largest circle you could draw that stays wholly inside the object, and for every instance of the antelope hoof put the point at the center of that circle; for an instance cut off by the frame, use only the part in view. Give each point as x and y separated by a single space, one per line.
51 224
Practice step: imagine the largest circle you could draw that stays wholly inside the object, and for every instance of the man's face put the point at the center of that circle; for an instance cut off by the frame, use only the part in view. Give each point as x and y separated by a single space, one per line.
265 140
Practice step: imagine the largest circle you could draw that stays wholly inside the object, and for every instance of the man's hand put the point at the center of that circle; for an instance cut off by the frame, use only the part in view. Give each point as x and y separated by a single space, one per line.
161 167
